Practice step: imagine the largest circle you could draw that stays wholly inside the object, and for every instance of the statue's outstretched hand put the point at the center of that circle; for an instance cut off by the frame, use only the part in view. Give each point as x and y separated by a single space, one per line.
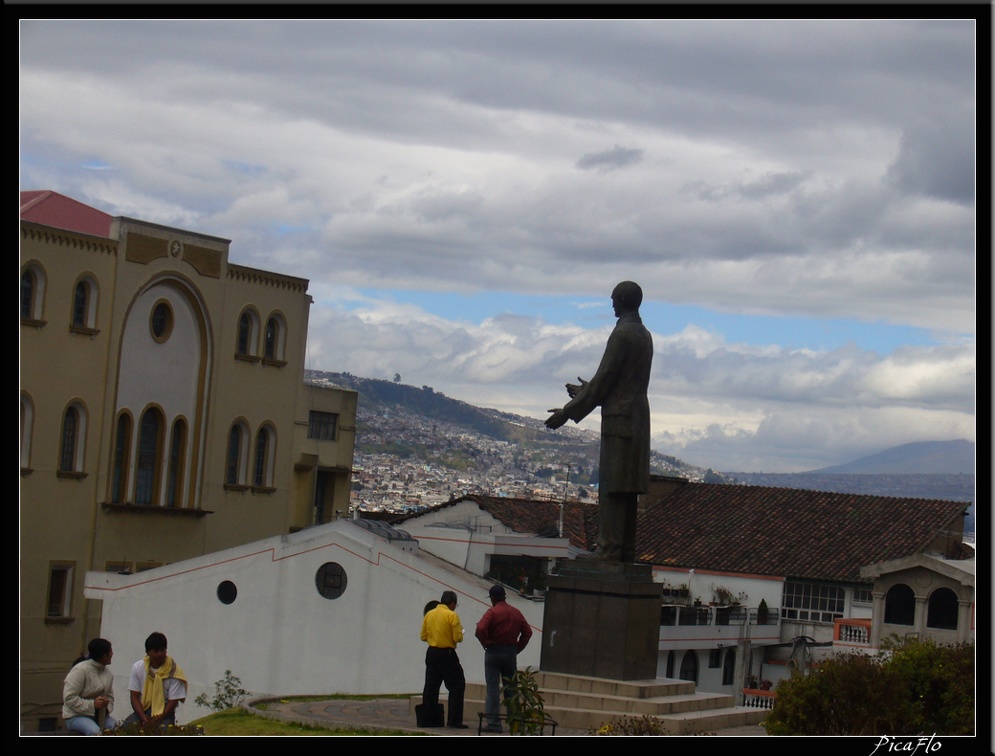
573 389
557 419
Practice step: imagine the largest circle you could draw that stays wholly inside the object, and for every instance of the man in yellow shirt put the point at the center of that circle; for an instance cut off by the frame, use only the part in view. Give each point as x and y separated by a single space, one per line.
442 630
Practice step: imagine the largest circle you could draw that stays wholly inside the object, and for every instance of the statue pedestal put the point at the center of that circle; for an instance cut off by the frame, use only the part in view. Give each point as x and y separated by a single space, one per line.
602 619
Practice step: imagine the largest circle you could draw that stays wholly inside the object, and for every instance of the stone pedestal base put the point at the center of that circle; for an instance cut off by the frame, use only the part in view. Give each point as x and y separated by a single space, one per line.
602 619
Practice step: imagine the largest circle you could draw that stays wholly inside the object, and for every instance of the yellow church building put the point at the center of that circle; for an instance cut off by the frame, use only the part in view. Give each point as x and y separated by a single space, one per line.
163 415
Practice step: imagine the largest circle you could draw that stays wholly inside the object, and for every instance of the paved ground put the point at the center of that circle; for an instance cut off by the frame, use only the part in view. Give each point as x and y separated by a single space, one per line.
392 714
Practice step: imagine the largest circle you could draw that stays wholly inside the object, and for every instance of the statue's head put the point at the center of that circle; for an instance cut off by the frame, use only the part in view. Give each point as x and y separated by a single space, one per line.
626 297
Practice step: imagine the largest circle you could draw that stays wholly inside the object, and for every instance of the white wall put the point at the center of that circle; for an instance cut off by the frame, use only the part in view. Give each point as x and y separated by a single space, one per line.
280 636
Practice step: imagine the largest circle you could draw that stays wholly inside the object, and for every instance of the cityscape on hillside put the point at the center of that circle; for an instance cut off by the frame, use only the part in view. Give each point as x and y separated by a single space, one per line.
417 448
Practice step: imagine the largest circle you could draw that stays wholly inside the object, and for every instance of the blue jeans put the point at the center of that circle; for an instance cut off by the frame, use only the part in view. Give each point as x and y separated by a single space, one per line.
500 665
88 725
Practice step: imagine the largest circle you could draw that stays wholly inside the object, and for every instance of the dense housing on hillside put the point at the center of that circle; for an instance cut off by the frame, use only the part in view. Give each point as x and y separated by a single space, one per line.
163 415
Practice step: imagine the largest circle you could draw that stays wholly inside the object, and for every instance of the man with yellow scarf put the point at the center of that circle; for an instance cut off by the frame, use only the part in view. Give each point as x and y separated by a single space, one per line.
157 685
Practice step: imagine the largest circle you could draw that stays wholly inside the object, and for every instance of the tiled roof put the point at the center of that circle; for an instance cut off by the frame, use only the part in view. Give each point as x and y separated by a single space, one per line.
790 532
580 523
785 532
59 211
532 516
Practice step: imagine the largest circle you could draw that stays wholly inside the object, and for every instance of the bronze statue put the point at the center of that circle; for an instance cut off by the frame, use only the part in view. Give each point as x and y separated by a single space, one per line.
619 388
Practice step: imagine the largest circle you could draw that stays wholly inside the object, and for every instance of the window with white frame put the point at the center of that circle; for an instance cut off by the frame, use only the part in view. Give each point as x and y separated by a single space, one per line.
862 596
812 602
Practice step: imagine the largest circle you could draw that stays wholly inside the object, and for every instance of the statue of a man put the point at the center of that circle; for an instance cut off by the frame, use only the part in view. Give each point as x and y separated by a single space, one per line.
619 388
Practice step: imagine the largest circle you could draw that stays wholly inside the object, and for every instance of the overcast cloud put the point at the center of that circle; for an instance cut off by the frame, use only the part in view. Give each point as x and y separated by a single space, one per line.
797 200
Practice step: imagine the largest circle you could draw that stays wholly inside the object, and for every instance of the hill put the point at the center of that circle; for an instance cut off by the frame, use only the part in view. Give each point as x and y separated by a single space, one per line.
425 424
920 458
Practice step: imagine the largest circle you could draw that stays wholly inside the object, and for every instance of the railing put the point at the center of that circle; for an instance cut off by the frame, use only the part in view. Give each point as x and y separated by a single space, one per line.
855 632
673 613
758 699
730 615
770 617
695 615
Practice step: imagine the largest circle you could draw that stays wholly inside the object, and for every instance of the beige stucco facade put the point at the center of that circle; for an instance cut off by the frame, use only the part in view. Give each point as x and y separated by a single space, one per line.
163 416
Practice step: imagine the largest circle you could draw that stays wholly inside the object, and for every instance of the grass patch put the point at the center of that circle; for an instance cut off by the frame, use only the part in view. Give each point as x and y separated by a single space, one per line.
262 705
239 722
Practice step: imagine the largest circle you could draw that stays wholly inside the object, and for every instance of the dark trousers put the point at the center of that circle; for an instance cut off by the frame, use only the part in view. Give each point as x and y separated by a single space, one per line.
442 666
500 665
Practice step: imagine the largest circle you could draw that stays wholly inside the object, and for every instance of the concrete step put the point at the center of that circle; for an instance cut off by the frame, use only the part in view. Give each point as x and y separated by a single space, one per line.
660 686
701 722
584 703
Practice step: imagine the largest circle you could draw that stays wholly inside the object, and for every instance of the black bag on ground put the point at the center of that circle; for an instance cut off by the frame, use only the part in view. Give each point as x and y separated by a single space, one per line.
429 715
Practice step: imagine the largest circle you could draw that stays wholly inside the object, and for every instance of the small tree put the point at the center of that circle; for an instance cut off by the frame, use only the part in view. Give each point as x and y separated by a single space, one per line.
228 694
526 712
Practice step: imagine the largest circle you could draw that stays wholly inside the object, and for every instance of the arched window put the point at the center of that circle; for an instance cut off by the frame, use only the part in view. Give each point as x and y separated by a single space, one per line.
248 334
27 294
689 666
81 301
271 334
27 426
32 292
244 333
942 608
900 605
236 461
275 338
71 444
122 458
263 475
148 468
84 310
177 455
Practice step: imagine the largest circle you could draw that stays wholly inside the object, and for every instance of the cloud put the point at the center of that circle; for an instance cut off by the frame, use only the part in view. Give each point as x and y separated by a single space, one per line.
733 407
814 170
937 159
610 160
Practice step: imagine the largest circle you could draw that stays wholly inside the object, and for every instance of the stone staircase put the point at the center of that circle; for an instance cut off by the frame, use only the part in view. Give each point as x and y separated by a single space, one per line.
586 703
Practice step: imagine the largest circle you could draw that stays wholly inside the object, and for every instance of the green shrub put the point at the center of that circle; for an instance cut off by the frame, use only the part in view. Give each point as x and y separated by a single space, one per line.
526 709
916 688
228 693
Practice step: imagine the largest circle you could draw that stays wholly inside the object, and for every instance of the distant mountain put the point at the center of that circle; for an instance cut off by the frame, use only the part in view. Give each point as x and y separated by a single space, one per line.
922 470
920 458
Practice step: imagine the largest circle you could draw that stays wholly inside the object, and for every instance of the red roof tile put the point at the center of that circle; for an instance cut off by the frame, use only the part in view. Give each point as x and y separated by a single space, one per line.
53 209
790 532
756 530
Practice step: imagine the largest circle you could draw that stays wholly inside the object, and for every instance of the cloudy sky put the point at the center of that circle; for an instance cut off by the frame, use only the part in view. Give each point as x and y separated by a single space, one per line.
796 199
